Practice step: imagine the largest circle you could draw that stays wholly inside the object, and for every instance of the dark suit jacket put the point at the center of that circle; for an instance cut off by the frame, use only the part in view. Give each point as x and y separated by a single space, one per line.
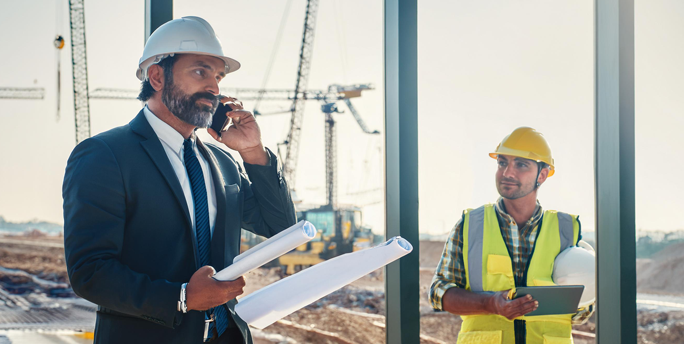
128 237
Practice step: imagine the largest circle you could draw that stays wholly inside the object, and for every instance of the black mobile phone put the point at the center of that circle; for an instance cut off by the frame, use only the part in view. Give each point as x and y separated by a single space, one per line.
220 120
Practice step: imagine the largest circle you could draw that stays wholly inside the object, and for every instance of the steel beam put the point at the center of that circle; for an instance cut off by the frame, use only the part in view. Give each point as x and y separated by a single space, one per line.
157 12
22 93
402 290
614 172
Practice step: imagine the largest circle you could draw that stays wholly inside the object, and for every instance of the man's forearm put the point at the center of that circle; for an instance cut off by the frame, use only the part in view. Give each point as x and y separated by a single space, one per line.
465 302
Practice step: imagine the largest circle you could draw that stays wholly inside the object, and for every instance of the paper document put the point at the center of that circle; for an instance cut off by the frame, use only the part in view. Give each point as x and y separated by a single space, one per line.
276 246
284 297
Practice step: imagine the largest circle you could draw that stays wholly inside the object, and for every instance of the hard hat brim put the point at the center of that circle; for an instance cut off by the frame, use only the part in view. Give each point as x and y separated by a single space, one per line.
231 64
524 155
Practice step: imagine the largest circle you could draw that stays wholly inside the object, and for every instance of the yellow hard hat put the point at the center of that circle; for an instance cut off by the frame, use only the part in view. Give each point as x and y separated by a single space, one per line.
526 143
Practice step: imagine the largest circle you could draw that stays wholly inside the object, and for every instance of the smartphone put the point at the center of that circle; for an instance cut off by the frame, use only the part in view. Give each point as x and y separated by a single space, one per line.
220 120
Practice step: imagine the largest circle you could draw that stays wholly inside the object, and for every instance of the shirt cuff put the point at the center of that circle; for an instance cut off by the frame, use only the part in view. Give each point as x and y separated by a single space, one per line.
438 294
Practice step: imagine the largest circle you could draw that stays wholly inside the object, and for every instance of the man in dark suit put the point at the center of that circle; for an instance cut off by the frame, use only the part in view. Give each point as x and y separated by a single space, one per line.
151 212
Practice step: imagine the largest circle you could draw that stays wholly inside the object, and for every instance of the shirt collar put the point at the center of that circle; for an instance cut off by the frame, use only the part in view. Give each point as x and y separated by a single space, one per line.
500 208
165 132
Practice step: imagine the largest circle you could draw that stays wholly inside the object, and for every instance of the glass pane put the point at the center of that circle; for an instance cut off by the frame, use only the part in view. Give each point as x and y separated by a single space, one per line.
660 234
346 54
266 37
34 287
484 70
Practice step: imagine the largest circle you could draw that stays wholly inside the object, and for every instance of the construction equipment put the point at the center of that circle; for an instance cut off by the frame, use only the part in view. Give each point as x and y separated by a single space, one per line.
22 93
340 231
79 70
240 93
305 54
340 228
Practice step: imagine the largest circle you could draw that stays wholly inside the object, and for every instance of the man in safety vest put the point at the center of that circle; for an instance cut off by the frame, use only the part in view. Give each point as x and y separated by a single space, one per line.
512 243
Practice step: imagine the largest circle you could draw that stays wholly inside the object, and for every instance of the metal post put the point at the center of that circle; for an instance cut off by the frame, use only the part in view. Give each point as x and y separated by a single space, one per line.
614 164
402 290
157 12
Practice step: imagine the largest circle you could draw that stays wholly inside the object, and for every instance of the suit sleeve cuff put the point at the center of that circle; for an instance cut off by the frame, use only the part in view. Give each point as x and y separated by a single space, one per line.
270 170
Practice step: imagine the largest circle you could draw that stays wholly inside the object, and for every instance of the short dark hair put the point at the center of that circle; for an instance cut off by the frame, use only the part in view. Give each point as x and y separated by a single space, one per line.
146 89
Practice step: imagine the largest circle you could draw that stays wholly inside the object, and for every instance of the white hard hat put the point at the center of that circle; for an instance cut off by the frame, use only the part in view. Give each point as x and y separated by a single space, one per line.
187 35
577 266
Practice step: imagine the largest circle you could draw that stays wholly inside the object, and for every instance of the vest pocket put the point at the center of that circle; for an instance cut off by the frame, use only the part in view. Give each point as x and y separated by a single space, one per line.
497 264
484 337
557 340
499 273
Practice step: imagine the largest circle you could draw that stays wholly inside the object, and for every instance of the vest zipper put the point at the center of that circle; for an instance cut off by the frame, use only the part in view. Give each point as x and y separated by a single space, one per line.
520 326
520 331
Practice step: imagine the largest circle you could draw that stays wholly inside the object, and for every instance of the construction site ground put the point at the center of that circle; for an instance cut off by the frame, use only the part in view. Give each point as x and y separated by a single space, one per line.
353 314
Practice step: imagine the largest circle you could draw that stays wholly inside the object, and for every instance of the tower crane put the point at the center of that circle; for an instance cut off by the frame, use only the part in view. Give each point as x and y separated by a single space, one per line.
240 93
79 70
305 54
329 107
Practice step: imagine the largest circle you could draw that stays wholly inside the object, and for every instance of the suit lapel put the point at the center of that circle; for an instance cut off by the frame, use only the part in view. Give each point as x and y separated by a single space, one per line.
153 146
218 239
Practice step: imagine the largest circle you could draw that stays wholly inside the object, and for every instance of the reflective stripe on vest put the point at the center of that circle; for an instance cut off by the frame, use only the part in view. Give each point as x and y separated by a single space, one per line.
566 232
476 242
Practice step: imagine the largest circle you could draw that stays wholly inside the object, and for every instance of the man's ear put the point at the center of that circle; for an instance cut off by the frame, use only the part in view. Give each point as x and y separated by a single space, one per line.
155 73
543 174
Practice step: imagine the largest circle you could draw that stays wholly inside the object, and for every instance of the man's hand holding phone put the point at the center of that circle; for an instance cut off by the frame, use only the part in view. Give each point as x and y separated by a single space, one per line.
243 135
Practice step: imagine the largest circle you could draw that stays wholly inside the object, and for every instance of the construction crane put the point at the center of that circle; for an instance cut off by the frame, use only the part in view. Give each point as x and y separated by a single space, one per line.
329 107
79 70
305 54
22 93
240 93
340 228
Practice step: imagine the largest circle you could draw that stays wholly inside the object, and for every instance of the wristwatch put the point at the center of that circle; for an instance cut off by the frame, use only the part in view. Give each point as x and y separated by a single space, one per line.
182 305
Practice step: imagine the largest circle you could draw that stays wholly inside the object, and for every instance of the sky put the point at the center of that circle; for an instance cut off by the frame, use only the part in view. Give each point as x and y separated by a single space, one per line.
485 68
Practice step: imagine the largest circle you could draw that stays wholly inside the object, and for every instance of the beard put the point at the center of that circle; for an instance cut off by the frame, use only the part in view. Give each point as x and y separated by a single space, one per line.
185 107
513 192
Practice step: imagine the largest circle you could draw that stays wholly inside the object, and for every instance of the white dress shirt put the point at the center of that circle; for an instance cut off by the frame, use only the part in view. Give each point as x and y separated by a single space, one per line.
172 141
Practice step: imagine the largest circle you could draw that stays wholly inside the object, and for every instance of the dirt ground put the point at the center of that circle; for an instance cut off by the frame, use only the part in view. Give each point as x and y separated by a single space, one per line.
355 313
664 272
45 262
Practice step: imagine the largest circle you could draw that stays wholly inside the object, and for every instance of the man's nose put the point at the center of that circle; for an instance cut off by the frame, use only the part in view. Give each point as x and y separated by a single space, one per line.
213 87
508 172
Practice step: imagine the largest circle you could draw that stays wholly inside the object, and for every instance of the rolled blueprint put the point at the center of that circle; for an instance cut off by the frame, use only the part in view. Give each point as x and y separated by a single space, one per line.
276 246
270 304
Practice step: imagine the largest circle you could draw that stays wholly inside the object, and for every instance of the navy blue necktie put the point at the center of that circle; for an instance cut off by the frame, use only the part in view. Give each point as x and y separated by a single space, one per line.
203 230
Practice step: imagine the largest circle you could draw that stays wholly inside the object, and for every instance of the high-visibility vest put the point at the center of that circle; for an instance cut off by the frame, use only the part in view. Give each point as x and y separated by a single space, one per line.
489 267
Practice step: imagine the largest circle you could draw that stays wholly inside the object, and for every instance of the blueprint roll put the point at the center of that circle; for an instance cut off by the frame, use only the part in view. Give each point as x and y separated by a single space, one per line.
282 298
279 244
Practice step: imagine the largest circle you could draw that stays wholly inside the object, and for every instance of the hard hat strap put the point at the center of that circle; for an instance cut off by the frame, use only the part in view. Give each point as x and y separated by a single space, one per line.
536 181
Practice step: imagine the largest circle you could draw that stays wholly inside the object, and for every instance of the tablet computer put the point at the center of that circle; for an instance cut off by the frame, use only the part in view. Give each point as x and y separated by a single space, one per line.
553 300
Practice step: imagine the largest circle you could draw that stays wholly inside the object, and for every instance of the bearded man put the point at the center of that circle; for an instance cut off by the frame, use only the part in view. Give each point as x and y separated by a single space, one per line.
151 212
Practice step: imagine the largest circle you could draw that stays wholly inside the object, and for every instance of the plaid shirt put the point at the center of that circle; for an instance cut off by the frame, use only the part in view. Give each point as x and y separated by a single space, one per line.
450 272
